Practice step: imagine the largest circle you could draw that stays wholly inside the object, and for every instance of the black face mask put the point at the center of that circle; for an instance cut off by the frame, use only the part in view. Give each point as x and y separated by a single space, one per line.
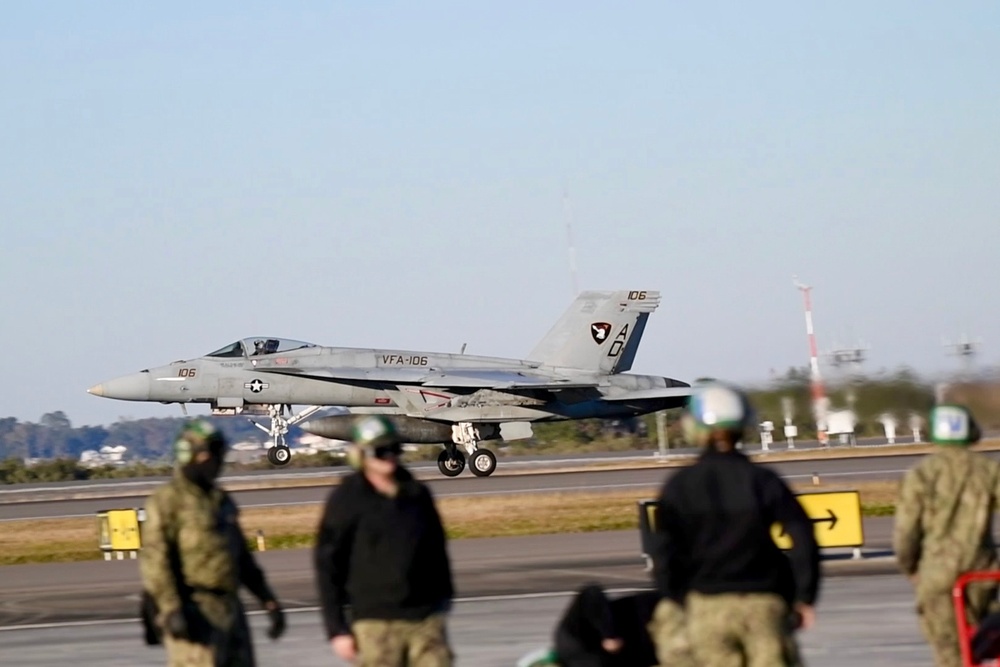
204 473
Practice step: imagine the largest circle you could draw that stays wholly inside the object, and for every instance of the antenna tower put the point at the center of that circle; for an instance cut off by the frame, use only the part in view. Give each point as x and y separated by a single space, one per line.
848 361
966 348
818 394
569 240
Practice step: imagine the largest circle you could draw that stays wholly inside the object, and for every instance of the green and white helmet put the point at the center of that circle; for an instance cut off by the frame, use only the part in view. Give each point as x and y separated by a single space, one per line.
716 407
953 425
372 435
196 436
374 431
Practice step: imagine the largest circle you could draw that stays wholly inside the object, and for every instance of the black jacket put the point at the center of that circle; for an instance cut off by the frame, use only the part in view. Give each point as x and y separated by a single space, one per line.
385 557
592 617
713 532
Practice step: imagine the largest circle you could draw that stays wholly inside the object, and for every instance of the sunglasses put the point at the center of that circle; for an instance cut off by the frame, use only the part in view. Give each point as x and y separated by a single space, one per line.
387 452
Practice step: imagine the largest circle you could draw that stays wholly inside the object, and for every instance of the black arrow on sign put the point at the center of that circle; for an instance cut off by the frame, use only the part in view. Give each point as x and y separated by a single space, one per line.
831 519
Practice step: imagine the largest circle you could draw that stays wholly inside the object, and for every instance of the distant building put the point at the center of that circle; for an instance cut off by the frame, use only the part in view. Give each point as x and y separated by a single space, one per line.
107 455
313 443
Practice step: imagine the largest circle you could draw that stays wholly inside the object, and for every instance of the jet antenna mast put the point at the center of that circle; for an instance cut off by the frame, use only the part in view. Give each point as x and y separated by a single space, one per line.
569 241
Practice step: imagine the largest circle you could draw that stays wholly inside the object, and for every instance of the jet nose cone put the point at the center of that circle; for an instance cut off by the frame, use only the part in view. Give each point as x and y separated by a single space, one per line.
128 388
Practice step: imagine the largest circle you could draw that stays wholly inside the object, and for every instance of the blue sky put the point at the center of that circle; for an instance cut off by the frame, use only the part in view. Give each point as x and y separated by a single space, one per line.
393 174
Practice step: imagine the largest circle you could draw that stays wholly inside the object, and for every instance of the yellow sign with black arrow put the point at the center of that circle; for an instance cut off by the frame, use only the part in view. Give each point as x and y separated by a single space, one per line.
836 517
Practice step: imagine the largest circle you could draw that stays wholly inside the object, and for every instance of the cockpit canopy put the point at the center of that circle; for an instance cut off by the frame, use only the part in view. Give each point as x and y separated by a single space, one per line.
254 347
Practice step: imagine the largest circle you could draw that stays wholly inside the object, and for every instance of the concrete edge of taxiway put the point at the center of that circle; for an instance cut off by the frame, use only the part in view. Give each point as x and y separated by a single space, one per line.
883 562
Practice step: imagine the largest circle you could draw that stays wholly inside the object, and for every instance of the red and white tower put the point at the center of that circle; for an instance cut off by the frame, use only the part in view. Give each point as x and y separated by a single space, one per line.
818 394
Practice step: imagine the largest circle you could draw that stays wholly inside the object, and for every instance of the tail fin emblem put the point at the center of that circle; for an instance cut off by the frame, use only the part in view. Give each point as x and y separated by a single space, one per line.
599 331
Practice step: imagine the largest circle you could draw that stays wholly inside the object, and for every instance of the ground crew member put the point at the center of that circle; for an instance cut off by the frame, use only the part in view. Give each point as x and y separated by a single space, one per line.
381 550
714 555
943 528
194 558
597 631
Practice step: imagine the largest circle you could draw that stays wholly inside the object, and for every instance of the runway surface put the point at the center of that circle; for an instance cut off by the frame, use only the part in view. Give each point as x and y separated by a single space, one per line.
861 621
833 470
489 566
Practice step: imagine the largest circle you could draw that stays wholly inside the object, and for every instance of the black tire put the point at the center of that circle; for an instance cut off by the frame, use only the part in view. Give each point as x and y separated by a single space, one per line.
483 463
282 455
451 466
270 456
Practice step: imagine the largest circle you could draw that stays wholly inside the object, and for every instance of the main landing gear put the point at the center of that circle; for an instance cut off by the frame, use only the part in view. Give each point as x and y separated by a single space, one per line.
278 453
451 462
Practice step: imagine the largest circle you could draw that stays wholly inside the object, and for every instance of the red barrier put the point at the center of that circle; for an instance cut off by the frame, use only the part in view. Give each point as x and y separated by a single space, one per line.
965 631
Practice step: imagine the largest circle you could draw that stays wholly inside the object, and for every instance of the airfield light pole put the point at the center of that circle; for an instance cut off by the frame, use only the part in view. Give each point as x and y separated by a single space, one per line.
818 396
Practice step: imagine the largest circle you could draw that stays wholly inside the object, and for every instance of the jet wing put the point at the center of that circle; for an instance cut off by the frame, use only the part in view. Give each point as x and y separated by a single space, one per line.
353 375
459 378
646 394
496 379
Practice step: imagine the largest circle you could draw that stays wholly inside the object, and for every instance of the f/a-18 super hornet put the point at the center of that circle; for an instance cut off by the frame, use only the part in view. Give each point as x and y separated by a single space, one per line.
577 371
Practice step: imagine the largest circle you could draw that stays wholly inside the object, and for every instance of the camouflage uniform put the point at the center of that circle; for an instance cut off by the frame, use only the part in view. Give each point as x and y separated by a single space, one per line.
668 629
741 630
383 643
194 557
943 529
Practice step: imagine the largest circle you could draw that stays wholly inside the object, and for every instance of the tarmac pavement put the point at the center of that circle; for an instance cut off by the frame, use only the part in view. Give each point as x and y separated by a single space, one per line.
866 620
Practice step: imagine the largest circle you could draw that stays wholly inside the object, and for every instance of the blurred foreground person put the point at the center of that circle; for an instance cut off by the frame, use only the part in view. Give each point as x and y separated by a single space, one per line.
714 558
595 631
194 559
943 528
381 550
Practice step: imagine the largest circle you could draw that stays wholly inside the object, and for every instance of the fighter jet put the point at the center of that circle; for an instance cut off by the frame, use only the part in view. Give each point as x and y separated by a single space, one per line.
577 371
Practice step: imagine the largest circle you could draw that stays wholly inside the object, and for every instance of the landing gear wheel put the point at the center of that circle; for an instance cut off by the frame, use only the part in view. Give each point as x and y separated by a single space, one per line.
279 455
451 465
483 463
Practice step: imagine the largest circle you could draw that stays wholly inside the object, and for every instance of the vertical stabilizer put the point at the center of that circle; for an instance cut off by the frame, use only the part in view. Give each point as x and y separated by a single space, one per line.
600 331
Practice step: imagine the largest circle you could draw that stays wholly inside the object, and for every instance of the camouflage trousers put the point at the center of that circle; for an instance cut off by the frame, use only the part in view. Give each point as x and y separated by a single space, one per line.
230 645
668 630
225 649
741 630
222 622
403 643
936 612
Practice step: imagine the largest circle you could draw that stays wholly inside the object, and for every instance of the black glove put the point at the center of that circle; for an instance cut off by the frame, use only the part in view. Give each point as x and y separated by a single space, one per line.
152 633
187 624
176 625
277 619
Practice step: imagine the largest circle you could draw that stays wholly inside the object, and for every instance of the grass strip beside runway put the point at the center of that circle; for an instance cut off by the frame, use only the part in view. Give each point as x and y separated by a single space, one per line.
76 539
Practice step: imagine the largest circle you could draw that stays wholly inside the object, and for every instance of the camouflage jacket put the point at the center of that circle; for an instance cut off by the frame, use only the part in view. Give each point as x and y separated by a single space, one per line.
193 549
944 517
